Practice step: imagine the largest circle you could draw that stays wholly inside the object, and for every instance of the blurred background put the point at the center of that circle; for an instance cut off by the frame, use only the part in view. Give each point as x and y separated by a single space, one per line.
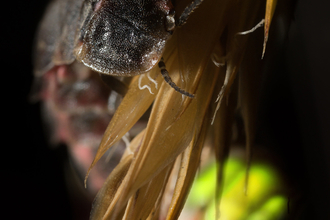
294 119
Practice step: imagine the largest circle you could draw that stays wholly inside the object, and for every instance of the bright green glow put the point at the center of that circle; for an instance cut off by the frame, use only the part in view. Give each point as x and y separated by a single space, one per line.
271 209
203 188
232 173
235 205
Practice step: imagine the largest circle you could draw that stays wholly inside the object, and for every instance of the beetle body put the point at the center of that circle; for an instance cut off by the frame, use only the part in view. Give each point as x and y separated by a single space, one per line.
115 37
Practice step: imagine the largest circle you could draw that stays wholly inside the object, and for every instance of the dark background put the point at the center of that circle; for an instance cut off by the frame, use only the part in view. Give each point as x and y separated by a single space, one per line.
295 113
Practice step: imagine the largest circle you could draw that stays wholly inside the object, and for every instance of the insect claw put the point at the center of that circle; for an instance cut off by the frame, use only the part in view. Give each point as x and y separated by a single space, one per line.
145 86
152 80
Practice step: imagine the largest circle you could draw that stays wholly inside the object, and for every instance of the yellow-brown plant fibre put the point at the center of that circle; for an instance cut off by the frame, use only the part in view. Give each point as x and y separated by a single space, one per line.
206 57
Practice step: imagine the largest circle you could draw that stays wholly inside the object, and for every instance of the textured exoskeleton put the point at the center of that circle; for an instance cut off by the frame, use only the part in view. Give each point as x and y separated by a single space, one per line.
115 37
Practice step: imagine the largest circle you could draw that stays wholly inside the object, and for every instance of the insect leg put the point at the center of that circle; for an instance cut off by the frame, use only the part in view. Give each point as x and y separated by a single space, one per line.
187 11
168 79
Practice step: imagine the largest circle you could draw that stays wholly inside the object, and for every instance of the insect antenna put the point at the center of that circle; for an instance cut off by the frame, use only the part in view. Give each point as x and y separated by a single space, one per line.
187 11
168 79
